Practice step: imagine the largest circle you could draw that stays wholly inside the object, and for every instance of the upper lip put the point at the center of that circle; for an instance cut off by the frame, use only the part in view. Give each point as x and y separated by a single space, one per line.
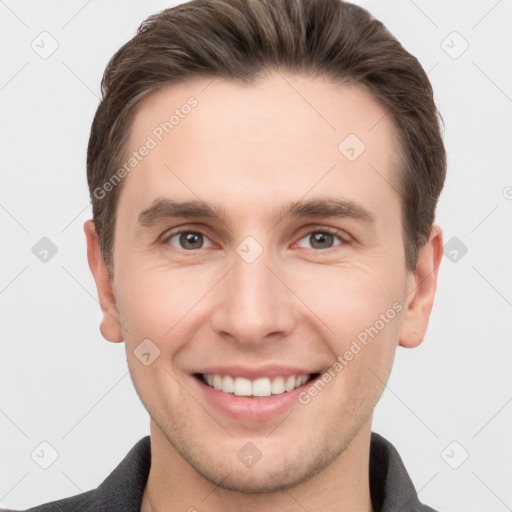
254 372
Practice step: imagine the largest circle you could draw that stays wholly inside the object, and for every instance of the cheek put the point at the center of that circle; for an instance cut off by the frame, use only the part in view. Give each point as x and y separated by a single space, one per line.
349 301
154 301
155 304
360 311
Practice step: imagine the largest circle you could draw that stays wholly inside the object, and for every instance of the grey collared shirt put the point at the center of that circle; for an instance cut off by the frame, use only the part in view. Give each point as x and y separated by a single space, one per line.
390 486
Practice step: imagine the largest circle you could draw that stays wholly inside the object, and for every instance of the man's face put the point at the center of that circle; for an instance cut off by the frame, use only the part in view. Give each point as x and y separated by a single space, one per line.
251 293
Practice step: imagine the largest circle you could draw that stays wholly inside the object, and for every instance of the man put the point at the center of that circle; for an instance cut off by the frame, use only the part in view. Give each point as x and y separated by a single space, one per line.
264 176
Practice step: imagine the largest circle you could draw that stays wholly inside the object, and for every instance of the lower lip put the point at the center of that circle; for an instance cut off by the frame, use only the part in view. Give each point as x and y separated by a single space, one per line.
251 408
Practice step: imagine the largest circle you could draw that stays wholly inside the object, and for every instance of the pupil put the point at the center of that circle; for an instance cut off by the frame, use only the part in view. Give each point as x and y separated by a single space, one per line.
191 240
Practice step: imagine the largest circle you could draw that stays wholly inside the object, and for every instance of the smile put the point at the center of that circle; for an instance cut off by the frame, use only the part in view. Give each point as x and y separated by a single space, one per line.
261 387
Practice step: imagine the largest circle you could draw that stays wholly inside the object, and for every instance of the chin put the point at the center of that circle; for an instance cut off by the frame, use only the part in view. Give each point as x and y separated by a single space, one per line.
261 480
274 472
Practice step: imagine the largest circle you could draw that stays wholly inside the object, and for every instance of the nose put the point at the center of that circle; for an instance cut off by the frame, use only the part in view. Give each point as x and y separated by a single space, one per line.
254 304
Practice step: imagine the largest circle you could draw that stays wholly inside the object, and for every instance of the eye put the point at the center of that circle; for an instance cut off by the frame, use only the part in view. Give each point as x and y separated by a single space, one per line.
321 239
188 240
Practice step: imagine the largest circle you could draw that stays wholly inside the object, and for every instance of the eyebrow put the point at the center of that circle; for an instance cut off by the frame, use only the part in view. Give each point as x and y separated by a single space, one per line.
165 208
169 208
327 207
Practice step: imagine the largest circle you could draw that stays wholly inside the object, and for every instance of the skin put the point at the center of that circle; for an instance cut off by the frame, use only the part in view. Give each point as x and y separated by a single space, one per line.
255 148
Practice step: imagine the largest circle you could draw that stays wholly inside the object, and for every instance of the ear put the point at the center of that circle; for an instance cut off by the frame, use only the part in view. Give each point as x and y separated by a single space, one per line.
110 327
420 290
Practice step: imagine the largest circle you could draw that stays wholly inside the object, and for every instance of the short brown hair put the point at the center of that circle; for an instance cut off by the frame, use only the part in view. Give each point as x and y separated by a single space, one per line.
241 39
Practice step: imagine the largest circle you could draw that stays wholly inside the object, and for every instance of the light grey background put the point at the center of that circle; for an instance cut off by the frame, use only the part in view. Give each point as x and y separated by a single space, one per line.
61 383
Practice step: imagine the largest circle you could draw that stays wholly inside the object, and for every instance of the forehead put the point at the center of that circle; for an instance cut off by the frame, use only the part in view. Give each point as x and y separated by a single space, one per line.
274 140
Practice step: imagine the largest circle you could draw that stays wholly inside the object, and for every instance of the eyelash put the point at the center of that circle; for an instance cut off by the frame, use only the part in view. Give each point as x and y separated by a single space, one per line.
319 229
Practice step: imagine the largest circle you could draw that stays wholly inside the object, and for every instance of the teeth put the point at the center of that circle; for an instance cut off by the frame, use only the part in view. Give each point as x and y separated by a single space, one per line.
228 384
277 386
262 387
243 387
258 387
289 383
217 382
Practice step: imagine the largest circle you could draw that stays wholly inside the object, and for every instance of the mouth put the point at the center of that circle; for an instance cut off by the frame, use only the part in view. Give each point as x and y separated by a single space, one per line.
252 395
261 387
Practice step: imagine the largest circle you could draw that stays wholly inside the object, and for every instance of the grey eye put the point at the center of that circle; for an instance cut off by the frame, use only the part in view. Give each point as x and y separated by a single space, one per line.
319 240
188 240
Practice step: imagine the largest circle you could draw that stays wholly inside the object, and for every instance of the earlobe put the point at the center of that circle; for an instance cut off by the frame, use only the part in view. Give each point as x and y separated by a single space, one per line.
421 289
110 327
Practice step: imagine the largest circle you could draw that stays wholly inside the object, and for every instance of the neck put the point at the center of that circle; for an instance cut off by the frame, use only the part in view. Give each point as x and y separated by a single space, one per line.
343 486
